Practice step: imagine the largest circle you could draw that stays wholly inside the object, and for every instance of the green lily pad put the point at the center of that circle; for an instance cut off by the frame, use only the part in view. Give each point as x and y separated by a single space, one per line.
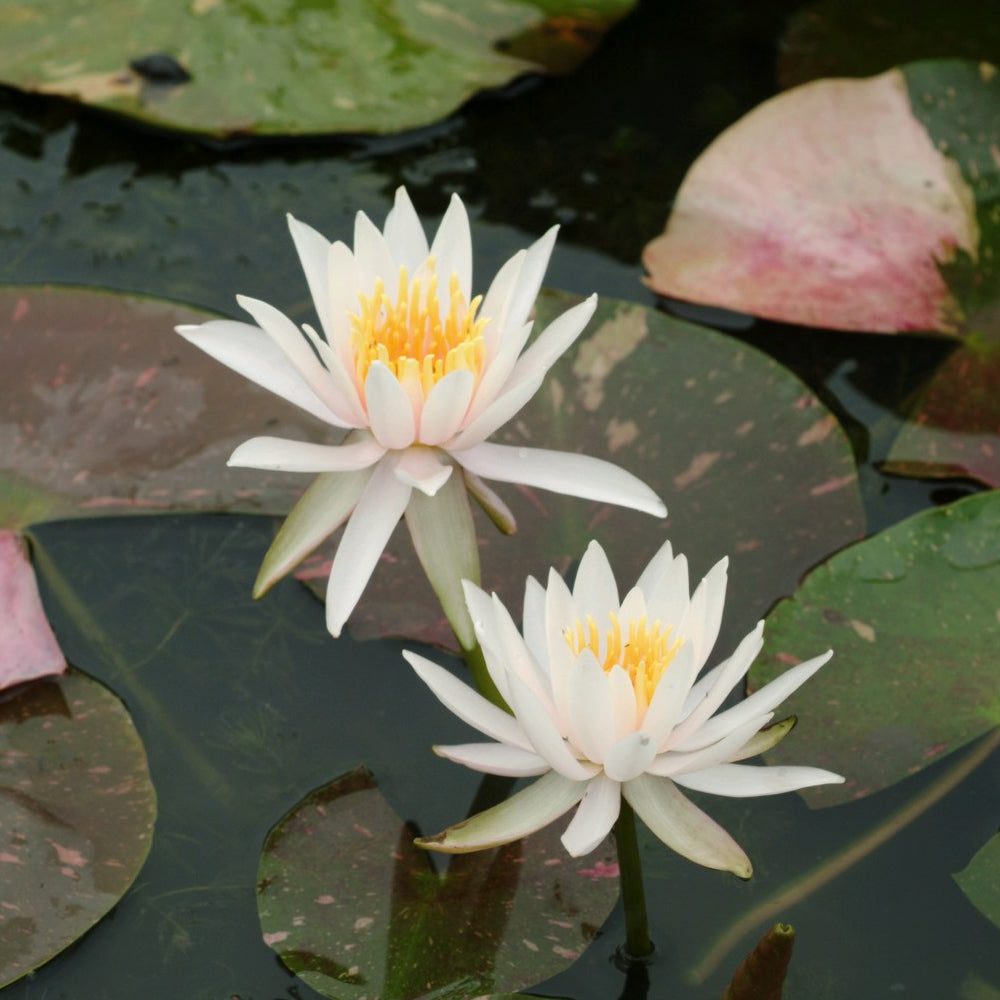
105 410
292 66
76 815
383 922
747 460
980 880
911 615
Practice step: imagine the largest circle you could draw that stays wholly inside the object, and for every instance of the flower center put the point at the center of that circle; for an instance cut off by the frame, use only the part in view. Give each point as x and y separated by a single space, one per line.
644 652
413 336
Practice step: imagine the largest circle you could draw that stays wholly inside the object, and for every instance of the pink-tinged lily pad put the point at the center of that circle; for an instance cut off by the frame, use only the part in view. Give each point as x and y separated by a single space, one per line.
355 910
912 616
747 460
105 410
76 815
980 880
28 648
829 205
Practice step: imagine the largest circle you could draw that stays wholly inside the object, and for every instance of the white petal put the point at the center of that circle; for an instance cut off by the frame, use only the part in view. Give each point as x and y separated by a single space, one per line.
495 304
313 250
633 607
423 469
522 814
495 758
497 370
249 351
683 827
389 408
343 380
496 510
367 532
345 286
629 757
656 568
324 506
560 614
444 538
445 407
468 704
554 341
533 618
668 598
563 472
452 250
516 656
541 730
529 278
282 455
745 780
696 730
700 624
595 592
594 817
668 699
721 752
482 609
624 706
373 257
591 711
404 233
494 416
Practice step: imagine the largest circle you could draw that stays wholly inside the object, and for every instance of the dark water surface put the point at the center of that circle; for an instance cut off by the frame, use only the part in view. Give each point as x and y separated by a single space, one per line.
87 199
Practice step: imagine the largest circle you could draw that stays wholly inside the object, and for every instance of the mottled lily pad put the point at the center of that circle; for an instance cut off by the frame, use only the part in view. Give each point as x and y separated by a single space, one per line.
76 815
980 880
747 460
383 922
28 648
912 617
291 66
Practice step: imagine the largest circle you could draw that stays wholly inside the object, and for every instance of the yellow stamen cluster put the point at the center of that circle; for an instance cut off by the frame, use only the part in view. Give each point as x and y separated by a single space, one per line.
409 336
644 653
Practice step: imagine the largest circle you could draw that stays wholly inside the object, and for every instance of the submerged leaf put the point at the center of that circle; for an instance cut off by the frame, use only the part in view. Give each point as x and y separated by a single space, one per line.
912 617
980 880
76 815
383 922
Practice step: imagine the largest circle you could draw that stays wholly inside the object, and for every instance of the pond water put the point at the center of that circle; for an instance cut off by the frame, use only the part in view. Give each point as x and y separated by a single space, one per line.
170 625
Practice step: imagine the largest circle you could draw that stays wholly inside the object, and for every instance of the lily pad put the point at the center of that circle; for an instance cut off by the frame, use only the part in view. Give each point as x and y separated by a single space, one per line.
28 648
912 617
980 880
746 458
383 922
292 66
76 815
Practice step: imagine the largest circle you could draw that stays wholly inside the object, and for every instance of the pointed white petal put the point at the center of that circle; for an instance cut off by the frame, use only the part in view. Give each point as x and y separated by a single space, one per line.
495 758
496 372
344 282
494 416
683 827
522 814
594 817
668 598
482 610
623 702
554 341
721 752
373 257
633 608
423 469
562 472
745 780
533 618
541 730
665 707
376 515
283 455
591 711
656 568
468 704
343 381
444 538
629 757
389 409
249 351
404 233
313 249
529 278
324 506
560 615
495 304
445 407
452 250
595 591
517 658
701 621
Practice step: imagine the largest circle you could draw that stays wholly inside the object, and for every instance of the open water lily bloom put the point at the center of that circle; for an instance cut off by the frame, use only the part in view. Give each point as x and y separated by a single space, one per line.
607 702
420 374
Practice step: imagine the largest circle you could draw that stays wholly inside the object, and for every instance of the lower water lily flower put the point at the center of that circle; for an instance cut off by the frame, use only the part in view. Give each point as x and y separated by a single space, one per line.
419 373
607 702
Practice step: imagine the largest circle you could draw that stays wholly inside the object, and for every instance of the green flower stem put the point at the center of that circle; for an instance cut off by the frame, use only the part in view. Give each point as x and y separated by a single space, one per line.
481 676
638 946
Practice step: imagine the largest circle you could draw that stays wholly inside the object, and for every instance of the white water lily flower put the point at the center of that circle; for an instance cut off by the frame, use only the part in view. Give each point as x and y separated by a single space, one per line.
607 702
421 374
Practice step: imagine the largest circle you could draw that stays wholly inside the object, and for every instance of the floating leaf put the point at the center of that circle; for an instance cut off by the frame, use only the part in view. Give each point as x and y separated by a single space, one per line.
28 649
749 464
295 66
912 617
761 974
836 205
980 880
76 815
355 910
